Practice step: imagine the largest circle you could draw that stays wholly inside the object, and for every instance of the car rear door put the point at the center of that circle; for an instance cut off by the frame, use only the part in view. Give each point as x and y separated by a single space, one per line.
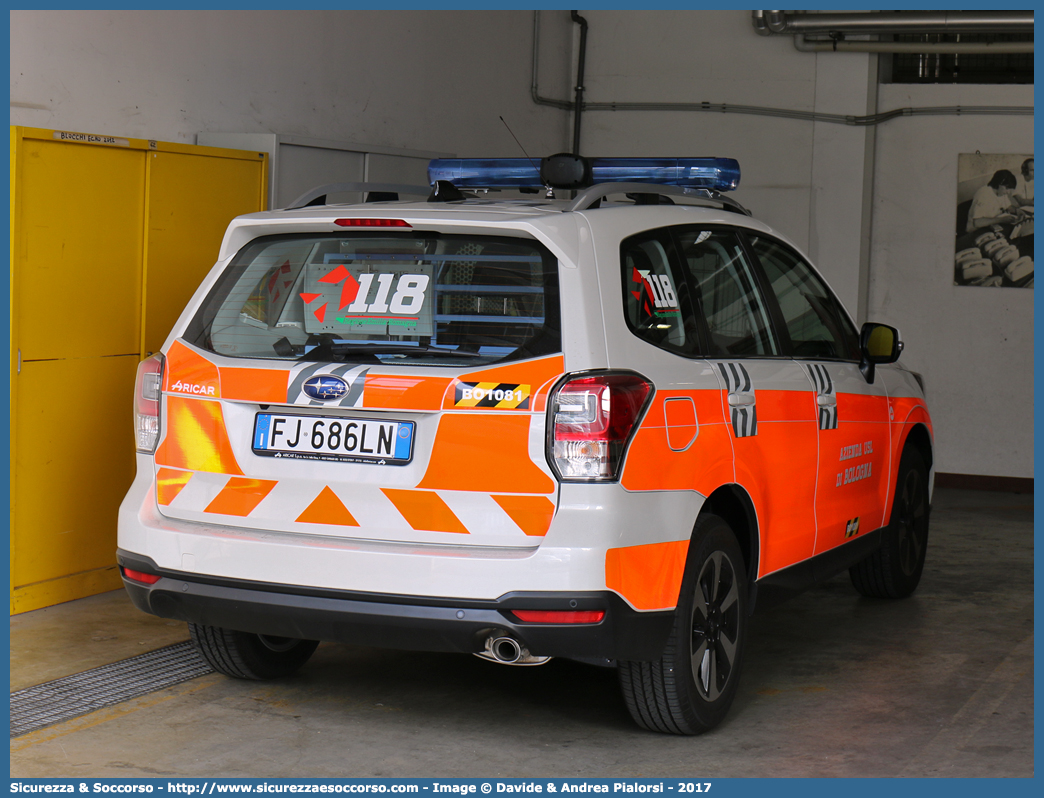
853 415
376 385
765 395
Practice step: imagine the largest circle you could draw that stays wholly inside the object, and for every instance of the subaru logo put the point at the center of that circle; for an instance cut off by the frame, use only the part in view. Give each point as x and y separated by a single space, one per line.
325 387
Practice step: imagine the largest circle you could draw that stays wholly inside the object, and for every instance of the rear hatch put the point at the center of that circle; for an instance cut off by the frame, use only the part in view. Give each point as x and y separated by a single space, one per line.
382 384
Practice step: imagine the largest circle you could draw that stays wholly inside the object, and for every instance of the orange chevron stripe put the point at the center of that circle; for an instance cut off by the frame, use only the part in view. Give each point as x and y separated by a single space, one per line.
240 496
424 510
533 514
327 509
169 483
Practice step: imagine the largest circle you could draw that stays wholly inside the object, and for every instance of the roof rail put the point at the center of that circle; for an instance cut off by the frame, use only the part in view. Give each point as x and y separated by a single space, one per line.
319 193
589 197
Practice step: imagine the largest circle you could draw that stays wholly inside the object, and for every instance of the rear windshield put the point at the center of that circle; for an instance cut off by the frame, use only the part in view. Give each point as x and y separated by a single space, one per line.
384 298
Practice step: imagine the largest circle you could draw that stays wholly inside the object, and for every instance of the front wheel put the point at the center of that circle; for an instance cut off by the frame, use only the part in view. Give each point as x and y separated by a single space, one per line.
689 690
894 570
243 655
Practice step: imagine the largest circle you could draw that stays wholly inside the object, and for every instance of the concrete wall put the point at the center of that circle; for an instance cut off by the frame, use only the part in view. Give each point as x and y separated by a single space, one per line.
705 56
973 345
427 80
439 80
873 207
805 179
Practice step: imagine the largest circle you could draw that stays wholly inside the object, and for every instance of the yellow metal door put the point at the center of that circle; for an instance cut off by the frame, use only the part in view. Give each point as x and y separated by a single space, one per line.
77 235
78 280
192 198
109 239
73 462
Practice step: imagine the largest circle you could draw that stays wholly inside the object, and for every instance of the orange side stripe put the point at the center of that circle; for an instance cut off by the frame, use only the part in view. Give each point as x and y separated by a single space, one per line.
533 514
705 465
424 510
404 393
169 483
485 453
265 386
185 366
859 407
240 496
648 576
327 509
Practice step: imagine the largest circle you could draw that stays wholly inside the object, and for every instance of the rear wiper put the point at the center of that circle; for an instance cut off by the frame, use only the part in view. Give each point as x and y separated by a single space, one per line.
331 349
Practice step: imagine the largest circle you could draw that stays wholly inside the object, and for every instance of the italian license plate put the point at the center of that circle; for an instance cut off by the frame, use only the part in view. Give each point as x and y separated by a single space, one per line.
351 440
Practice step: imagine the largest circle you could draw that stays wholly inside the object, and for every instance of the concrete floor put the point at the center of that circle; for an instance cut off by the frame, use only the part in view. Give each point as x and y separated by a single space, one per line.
940 684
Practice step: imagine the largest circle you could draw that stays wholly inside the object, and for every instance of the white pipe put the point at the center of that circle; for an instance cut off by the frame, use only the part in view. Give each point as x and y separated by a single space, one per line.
783 113
894 22
963 48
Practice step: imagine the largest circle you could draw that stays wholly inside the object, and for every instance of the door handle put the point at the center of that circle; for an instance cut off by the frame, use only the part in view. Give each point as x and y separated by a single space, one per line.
826 400
741 399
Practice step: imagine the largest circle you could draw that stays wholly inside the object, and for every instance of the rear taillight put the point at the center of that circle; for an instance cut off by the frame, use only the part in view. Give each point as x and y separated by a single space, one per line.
371 223
592 418
147 404
138 576
559 616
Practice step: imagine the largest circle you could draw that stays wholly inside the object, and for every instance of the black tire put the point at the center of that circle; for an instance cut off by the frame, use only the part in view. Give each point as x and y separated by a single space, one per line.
689 690
894 570
243 655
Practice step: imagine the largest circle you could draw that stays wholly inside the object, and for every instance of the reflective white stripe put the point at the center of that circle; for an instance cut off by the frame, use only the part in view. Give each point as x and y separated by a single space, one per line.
376 515
199 492
538 444
571 557
372 509
481 514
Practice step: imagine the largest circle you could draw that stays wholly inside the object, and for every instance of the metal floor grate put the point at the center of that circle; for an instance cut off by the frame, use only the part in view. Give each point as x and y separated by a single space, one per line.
53 702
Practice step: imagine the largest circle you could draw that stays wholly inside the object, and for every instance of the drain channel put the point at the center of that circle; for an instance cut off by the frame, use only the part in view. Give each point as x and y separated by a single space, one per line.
69 697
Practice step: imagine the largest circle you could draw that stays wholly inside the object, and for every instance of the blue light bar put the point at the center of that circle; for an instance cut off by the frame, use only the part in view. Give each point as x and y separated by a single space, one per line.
718 174
486 172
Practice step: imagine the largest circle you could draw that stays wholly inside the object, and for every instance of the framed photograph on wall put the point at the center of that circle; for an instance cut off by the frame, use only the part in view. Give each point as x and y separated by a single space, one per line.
994 244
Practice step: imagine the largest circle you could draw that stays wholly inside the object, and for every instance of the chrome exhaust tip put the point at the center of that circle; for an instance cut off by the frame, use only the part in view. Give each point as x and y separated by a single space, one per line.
507 650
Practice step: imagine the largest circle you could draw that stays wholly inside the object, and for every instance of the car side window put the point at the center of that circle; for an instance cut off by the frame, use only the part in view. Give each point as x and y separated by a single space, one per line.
657 305
725 292
816 323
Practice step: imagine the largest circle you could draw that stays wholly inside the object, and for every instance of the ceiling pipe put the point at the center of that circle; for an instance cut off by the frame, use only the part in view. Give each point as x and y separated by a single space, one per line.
782 22
754 110
806 45
579 103
757 19
564 105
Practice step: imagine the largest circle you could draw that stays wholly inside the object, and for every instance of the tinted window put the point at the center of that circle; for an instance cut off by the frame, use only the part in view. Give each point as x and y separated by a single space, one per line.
725 294
436 300
817 325
656 302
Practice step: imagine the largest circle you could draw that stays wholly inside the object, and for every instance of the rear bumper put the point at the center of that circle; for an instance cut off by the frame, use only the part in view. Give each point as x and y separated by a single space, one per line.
590 520
401 622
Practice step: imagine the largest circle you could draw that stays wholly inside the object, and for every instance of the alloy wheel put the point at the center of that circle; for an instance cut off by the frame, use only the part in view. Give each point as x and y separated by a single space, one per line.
911 527
715 625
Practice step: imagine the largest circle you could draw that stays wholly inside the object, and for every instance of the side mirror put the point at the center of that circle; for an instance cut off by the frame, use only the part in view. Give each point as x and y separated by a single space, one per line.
878 343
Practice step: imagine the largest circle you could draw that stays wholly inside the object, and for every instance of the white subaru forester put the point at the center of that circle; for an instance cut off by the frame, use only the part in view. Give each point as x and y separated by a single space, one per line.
602 428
